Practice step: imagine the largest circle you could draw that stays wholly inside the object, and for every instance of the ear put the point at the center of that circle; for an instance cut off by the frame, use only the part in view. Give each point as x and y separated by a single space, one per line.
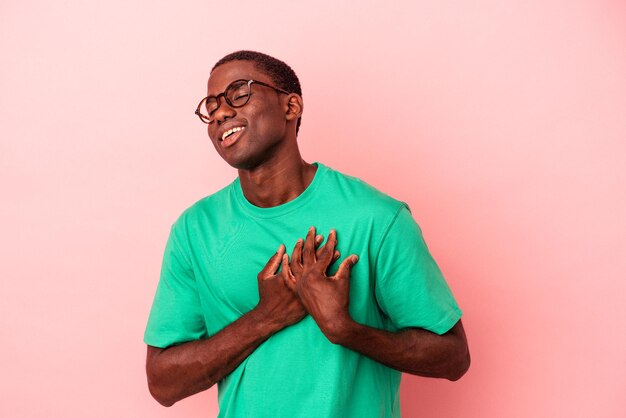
295 106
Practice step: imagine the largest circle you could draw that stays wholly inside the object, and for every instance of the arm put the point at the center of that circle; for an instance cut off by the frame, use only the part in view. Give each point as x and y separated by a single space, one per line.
182 370
411 350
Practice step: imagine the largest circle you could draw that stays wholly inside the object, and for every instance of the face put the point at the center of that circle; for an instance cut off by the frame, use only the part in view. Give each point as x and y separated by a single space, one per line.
259 127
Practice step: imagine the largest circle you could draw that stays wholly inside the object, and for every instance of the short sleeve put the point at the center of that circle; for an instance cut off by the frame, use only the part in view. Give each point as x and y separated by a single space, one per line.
176 315
410 288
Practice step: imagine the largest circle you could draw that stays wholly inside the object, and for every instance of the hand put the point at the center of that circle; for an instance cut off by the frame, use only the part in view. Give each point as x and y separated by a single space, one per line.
277 302
295 266
326 298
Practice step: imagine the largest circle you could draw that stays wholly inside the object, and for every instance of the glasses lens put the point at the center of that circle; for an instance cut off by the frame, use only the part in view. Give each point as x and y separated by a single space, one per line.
238 93
210 105
206 108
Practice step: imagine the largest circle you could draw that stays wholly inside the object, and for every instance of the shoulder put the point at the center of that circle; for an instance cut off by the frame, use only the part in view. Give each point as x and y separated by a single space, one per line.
204 209
361 194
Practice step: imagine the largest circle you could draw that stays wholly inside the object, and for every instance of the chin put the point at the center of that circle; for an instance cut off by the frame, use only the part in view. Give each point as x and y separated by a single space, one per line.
244 163
251 154
251 161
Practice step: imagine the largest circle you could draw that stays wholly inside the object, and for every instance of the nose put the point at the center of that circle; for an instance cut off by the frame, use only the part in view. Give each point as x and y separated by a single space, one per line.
223 111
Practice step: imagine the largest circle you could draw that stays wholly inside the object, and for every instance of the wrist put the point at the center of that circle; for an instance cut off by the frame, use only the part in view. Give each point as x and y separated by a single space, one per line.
340 330
266 322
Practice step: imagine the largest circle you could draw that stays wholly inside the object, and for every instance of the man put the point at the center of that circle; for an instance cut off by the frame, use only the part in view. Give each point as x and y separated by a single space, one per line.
296 335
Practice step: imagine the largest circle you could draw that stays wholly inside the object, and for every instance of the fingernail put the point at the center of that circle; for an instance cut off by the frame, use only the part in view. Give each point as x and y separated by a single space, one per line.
280 247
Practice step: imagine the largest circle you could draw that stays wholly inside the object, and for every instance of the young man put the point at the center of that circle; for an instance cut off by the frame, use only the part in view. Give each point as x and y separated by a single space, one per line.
303 334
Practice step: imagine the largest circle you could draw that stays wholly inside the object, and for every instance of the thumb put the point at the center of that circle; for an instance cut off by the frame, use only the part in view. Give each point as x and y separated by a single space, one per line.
272 264
346 267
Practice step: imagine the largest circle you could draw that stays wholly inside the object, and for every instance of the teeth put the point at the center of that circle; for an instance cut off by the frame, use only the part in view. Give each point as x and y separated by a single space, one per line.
231 131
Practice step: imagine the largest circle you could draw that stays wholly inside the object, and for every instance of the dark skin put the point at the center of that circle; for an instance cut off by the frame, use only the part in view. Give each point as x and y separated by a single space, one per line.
266 155
326 299
272 172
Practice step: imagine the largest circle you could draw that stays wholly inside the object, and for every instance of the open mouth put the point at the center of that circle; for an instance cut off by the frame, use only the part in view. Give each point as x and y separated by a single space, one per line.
232 131
230 136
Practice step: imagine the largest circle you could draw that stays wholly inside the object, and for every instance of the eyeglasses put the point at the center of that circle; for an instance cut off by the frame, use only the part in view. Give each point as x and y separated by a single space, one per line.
236 95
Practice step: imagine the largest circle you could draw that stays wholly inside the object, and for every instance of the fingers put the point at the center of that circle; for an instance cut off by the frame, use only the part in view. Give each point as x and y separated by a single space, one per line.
346 267
287 275
312 251
296 257
273 263
327 252
308 254
318 240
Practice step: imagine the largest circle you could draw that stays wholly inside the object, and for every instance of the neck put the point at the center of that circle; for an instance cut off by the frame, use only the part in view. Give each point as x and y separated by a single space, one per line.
276 181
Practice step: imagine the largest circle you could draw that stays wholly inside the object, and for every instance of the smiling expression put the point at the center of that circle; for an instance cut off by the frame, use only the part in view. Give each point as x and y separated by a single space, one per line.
247 136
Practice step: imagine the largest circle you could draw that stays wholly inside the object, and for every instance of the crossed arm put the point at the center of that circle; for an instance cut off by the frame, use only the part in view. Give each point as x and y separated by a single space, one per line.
302 287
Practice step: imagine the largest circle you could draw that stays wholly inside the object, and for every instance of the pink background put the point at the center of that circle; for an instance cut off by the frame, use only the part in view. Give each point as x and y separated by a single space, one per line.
502 124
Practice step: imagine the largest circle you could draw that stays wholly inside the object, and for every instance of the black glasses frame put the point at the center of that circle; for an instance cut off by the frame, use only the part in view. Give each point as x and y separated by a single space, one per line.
223 94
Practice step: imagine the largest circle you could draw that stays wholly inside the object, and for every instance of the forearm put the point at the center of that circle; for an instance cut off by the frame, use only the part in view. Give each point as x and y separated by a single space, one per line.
182 370
411 350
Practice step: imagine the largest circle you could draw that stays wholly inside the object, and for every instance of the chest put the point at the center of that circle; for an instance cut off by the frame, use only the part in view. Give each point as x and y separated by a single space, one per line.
227 262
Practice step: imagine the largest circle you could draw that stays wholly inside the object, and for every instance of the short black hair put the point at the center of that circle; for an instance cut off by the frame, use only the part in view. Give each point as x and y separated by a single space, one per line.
280 73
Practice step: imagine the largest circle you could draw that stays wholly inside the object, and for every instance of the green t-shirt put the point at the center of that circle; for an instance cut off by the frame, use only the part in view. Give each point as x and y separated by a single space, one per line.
209 279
